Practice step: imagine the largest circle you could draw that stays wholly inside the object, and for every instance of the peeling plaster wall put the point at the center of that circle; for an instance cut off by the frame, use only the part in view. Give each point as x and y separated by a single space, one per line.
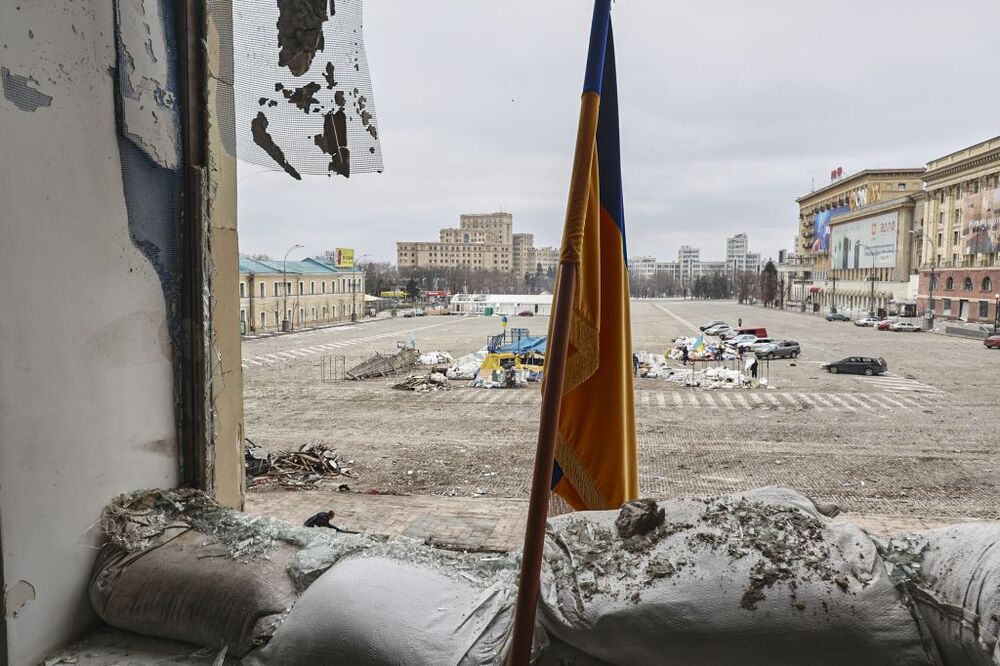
86 383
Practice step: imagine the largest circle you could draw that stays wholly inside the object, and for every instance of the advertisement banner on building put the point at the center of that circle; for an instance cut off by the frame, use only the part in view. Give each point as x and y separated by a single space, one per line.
821 227
344 258
854 244
981 222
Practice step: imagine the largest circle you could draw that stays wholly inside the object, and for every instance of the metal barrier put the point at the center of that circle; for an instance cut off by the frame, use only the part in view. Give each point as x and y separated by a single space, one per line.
331 368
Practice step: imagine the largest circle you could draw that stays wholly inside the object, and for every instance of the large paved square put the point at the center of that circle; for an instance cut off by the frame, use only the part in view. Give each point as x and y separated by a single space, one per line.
918 443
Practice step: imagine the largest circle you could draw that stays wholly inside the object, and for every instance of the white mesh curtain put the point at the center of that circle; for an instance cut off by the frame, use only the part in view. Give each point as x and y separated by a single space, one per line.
303 93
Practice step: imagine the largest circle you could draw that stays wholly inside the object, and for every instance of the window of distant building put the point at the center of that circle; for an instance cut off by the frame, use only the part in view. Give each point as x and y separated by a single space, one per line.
949 283
275 288
302 287
984 309
986 285
967 284
312 287
322 286
243 286
900 186
263 291
946 305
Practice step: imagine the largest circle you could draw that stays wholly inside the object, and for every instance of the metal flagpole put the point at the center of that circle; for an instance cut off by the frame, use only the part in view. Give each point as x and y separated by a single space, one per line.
557 351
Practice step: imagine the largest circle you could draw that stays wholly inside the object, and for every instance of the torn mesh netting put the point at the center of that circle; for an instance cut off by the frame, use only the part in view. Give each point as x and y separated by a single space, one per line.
303 91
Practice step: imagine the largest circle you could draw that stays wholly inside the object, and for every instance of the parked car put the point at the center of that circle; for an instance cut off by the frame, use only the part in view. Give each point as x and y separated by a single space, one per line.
759 331
992 342
779 349
867 321
525 313
714 322
884 324
742 338
837 316
718 329
905 327
858 365
759 343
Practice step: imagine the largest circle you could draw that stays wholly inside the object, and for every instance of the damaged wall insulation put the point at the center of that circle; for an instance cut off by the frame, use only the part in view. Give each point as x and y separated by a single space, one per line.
304 101
87 384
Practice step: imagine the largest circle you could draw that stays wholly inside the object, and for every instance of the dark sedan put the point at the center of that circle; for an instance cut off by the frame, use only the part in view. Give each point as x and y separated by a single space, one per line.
836 316
858 365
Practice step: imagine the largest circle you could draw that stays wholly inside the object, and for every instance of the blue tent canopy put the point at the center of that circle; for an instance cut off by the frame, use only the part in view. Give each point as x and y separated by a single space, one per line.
526 344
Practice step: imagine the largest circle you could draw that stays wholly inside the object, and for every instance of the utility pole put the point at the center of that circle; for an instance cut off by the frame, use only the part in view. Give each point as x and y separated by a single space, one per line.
871 311
285 324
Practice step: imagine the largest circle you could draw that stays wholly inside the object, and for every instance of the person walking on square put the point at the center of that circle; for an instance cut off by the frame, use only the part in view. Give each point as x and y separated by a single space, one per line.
684 355
739 323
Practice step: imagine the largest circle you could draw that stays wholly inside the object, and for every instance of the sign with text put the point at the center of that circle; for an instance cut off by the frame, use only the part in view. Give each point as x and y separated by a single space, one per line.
981 222
854 244
344 258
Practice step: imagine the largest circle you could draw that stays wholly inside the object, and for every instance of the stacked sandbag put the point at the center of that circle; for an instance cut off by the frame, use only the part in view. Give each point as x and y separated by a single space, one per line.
754 578
188 588
953 575
179 566
375 611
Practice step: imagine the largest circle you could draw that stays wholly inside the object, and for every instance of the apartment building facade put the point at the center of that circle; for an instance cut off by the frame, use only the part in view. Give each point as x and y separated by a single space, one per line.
958 239
482 241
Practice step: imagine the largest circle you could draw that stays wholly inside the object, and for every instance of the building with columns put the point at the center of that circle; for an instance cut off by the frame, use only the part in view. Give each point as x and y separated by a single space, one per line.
958 239
848 204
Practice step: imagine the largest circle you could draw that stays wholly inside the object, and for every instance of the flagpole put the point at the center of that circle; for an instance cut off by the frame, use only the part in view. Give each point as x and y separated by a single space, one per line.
557 348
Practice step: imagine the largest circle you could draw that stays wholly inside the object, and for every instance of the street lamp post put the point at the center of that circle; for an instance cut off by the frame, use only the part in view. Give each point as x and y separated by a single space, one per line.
354 289
285 323
871 312
996 315
930 294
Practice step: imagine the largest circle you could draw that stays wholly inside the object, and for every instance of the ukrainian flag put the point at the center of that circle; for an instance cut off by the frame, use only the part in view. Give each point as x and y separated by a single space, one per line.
596 465
699 343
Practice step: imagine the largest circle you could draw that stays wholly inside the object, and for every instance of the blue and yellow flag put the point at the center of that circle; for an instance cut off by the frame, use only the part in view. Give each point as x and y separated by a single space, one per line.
699 343
596 465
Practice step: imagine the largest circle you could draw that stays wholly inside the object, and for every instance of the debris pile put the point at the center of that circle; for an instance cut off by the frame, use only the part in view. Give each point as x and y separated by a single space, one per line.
710 351
435 358
435 381
309 465
467 366
382 365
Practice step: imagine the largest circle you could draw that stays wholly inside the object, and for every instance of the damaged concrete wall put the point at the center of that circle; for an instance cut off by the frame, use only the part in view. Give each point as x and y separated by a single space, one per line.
86 377
227 379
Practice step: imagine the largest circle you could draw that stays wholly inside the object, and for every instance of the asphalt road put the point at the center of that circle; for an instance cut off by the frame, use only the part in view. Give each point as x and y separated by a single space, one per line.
918 443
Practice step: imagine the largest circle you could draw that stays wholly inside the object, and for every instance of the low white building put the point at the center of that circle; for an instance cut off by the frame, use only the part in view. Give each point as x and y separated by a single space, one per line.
502 304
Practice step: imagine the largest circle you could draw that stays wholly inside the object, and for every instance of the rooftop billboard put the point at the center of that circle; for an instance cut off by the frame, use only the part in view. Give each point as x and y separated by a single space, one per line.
981 222
821 227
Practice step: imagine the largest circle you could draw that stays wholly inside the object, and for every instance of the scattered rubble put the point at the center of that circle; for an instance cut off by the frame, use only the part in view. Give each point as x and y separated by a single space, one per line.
309 465
639 517
435 381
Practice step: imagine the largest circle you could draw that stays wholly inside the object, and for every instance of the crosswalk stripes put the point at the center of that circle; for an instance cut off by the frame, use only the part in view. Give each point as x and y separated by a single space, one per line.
899 384
713 401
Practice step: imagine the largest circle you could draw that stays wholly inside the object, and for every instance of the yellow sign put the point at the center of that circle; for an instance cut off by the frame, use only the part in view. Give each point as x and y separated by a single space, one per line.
345 258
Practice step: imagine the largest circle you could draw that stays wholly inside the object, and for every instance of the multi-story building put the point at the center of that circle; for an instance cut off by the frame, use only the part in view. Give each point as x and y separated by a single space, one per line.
302 293
482 241
819 212
958 239
547 258
869 267
689 260
523 254
642 266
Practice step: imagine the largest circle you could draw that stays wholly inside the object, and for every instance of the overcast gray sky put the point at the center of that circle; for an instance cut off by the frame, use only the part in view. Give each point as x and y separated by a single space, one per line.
728 110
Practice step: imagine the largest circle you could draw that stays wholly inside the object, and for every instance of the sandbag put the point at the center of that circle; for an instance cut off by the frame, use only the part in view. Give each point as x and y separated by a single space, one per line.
756 578
956 588
368 611
187 587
